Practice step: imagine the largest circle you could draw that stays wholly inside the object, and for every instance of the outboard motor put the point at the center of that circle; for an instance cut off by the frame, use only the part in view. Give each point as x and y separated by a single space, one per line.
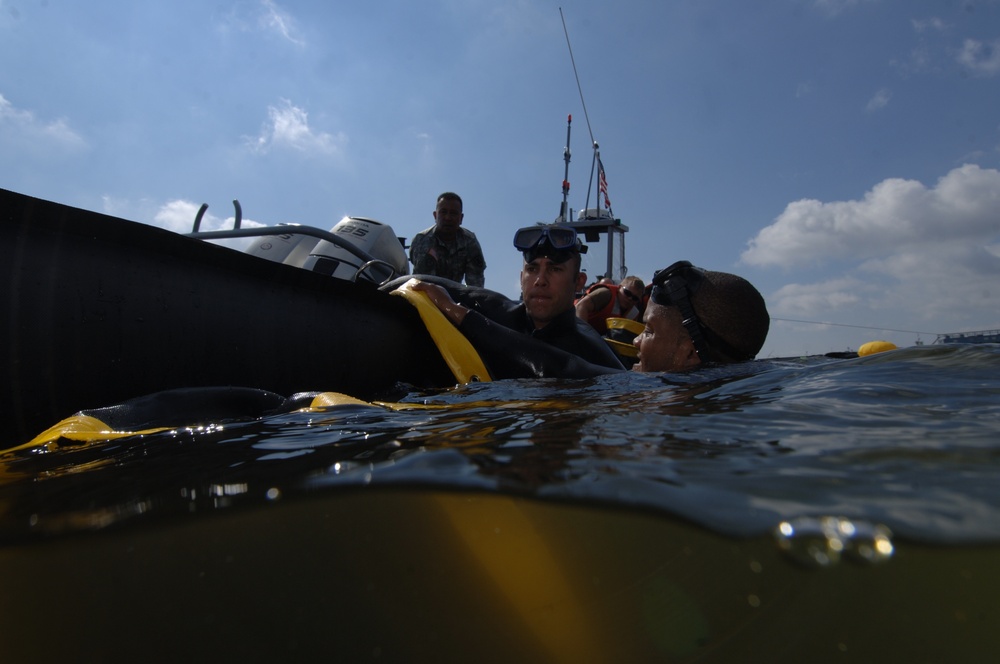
370 236
290 249
311 253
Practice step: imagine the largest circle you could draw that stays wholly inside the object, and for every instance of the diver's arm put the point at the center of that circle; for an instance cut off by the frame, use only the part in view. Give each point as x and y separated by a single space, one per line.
509 353
512 354
453 311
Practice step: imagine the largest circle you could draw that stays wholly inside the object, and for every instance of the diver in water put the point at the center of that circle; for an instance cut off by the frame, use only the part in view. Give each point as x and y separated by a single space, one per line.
499 327
697 317
694 317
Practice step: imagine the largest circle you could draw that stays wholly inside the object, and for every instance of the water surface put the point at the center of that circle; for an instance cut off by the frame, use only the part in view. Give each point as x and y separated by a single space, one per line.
907 439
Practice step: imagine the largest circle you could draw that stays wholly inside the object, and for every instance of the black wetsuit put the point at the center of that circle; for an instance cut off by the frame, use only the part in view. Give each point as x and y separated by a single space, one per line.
506 339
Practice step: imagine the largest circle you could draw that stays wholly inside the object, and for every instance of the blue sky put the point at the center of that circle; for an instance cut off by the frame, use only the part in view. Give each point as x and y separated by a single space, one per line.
843 155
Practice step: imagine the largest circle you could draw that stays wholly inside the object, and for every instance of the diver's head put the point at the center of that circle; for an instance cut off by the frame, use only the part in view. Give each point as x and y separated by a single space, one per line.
722 315
550 276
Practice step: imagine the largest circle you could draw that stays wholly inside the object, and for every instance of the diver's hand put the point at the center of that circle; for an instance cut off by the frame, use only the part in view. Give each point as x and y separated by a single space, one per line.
442 300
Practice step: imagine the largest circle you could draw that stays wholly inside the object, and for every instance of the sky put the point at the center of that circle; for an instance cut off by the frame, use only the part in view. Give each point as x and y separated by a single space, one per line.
842 155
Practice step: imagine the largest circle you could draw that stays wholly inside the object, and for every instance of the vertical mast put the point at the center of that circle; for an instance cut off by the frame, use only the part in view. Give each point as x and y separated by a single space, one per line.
564 209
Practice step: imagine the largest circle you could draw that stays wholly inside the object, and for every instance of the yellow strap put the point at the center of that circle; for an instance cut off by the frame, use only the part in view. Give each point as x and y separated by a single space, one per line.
328 399
325 400
87 429
83 429
458 353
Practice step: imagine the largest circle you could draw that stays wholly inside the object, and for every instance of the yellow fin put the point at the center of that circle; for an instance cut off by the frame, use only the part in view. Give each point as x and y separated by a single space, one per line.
458 353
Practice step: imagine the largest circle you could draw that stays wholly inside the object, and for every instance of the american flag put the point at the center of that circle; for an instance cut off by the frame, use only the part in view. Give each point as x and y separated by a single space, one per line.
602 183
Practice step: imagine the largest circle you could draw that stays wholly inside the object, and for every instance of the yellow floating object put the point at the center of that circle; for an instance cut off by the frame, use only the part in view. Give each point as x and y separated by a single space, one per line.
873 347
458 353
622 348
633 326
621 333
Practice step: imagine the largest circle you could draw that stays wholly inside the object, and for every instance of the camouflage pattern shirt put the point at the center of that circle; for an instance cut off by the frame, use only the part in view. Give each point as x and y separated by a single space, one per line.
459 260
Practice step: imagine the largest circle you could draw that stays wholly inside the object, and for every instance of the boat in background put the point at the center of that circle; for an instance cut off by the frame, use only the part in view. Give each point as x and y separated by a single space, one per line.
978 337
99 310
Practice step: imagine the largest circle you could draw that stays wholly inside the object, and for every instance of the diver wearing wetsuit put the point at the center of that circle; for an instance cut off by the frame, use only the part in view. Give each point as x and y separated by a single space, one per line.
694 318
506 333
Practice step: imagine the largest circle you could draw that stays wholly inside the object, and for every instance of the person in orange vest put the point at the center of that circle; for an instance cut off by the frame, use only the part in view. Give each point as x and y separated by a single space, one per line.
608 300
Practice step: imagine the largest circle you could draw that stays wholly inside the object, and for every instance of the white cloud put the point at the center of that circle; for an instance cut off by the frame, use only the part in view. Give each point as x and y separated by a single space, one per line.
807 299
879 101
276 20
963 206
925 255
263 17
288 127
983 59
27 131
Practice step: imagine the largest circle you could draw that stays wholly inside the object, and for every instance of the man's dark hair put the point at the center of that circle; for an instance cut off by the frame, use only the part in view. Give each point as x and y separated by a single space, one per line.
450 196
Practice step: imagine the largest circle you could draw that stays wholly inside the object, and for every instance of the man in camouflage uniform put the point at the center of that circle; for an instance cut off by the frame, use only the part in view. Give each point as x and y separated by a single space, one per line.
446 249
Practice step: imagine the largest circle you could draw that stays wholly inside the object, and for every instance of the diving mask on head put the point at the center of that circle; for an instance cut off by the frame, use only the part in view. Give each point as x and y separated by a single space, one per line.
557 243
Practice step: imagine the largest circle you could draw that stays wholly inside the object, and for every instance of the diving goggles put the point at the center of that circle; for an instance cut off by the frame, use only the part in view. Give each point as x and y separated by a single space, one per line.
558 237
674 286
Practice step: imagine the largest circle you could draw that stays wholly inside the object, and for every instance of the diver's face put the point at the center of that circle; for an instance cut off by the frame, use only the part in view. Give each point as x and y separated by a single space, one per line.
548 288
664 344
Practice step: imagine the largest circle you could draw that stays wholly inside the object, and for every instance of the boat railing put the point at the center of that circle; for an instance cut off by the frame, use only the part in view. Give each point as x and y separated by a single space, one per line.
282 229
368 261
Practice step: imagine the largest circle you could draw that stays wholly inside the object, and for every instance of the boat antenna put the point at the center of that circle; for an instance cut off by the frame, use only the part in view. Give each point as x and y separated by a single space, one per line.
586 116
578 86
563 209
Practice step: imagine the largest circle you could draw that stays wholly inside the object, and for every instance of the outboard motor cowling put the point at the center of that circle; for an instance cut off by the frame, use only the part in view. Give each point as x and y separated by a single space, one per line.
290 249
373 238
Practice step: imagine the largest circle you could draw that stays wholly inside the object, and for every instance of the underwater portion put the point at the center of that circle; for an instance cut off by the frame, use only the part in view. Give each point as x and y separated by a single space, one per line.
774 509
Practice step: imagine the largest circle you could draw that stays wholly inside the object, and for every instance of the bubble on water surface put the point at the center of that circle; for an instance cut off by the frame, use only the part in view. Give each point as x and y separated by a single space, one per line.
820 542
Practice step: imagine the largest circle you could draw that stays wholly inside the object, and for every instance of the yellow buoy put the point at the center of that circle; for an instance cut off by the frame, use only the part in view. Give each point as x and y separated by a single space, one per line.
873 347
